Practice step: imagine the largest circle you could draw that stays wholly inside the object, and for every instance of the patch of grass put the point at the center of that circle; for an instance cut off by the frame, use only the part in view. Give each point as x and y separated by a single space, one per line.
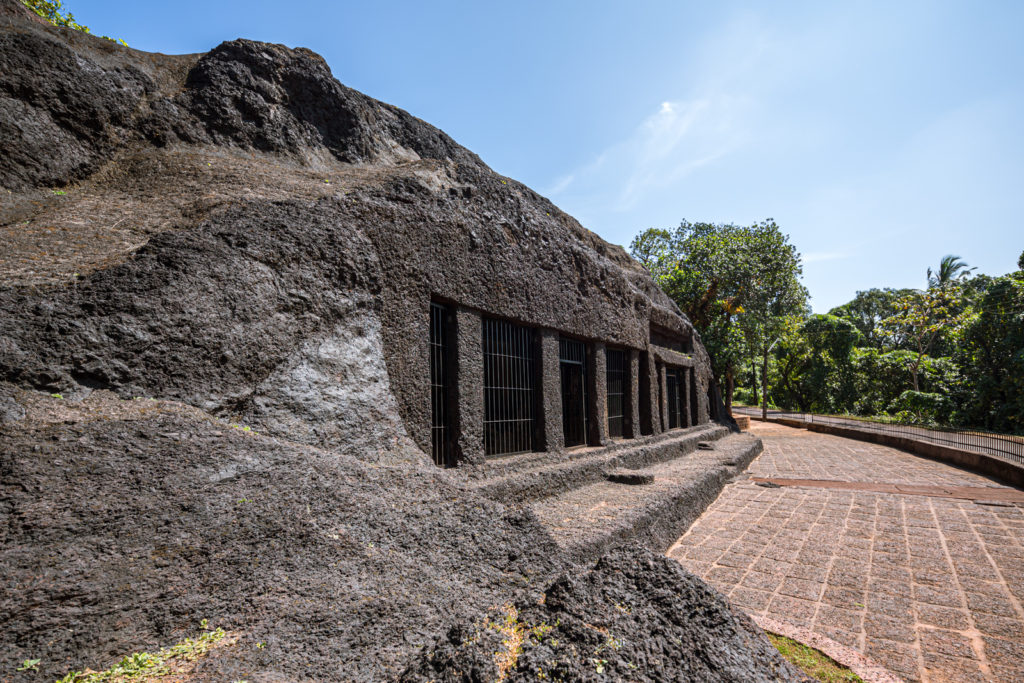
142 666
815 664
512 631
244 428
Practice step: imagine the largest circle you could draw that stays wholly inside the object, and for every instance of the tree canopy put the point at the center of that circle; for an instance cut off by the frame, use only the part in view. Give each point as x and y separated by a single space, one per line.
951 269
737 284
951 354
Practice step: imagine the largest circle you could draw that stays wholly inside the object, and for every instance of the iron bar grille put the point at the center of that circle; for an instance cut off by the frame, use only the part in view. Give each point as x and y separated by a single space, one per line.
615 369
692 374
1005 446
661 396
645 391
509 394
674 388
572 356
440 422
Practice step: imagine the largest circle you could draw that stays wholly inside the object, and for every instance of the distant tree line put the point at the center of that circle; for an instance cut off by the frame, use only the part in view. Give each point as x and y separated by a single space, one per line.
951 354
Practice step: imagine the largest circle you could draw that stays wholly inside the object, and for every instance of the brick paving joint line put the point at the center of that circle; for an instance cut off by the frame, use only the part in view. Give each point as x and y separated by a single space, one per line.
916 564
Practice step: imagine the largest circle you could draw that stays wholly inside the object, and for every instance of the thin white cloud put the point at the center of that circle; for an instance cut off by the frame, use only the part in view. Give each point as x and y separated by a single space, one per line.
818 256
561 185
677 139
718 112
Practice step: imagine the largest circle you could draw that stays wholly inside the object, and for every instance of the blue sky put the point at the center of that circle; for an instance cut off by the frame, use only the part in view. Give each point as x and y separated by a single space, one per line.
880 136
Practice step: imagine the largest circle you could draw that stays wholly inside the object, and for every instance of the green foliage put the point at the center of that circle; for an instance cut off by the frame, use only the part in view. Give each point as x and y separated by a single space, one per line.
951 269
918 407
991 355
829 372
949 355
813 367
815 664
144 666
868 309
1020 261
744 396
30 665
737 284
921 318
880 377
55 13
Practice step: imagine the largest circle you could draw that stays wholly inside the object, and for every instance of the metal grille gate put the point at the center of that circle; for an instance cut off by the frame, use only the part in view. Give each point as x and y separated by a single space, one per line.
615 362
440 421
675 388
572 356
692 380
508 388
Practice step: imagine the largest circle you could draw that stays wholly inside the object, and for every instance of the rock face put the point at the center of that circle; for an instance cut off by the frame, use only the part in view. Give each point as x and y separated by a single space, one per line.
125 523
215 397
634 616
236 211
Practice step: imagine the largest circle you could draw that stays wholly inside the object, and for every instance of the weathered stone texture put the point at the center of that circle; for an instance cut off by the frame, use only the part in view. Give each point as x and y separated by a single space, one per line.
254 244
219 301
634 616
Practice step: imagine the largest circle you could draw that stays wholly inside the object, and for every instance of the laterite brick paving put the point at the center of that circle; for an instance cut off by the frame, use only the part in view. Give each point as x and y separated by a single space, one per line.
930 587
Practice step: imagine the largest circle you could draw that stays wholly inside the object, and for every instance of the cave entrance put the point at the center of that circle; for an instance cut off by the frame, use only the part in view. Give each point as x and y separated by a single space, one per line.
617 380
672 385
440 394
572 357
509 382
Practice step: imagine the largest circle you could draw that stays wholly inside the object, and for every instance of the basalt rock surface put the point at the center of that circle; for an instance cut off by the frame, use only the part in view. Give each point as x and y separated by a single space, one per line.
215 276
218 228
126 523
633 616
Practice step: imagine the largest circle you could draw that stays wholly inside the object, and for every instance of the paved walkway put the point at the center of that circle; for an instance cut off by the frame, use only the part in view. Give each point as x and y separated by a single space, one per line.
931 587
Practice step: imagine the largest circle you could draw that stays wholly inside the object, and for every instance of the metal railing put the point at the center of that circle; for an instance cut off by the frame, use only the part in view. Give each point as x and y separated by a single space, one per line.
1004 446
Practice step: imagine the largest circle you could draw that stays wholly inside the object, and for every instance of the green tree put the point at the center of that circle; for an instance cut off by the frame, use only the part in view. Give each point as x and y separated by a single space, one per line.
792 358
814 367
951 269
772 294
991 358
735 283
692 265
880 377
55 13
951 354
653 248
832 341
868 309
921 318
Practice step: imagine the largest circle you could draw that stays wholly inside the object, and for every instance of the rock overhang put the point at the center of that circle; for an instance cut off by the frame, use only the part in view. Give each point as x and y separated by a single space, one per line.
416 216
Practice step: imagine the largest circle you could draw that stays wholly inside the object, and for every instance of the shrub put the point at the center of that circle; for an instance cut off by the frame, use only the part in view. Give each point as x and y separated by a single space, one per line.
53 11
922 408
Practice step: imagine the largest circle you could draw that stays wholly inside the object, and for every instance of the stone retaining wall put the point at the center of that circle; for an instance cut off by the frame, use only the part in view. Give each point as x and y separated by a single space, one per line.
978 462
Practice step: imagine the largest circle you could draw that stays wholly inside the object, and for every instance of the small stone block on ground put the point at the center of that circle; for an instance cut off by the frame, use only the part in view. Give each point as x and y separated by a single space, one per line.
630 477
